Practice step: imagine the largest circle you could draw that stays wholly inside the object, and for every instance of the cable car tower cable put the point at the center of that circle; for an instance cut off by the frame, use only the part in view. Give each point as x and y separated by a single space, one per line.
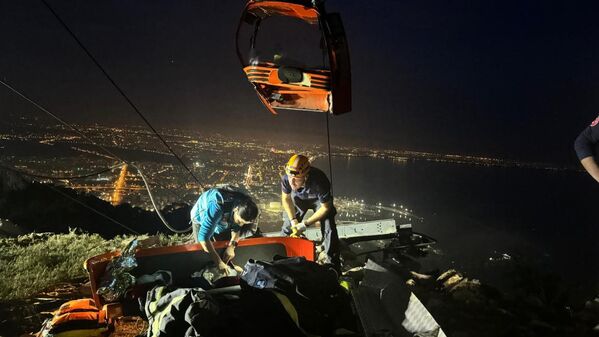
114 156
329 151
121 92
41 176
24 174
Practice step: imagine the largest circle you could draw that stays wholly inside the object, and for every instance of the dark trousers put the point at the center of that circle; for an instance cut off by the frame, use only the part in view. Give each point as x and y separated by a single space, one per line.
328 229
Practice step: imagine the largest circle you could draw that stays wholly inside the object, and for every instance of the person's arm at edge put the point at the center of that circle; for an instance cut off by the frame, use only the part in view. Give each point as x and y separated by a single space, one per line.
229 253
205 232
325 198
234 237
590 165
319 214
209 247
288 206
584 150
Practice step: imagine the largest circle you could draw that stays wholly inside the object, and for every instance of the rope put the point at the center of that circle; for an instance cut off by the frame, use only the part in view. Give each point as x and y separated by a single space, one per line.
121 91
156 208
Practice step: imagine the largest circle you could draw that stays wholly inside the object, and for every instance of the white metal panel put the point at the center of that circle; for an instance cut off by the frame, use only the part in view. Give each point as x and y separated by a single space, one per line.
367 228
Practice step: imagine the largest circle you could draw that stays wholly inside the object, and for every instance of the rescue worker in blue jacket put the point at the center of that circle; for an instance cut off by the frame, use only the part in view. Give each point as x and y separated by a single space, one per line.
586 148
220 212
303 188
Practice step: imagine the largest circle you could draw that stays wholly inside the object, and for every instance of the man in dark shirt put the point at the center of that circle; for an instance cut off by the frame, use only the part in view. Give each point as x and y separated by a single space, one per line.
586 148
303 188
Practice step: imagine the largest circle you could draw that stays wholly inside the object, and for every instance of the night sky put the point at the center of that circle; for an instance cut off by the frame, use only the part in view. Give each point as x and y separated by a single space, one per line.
514 79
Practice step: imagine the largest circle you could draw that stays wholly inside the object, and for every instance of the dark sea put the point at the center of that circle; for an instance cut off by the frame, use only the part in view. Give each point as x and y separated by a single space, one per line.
490 222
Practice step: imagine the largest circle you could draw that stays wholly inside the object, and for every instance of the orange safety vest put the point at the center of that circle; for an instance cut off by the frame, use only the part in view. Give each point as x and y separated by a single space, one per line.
77 318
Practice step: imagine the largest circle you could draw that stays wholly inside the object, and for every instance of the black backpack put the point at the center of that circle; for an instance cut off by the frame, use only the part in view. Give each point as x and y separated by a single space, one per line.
292 276
314 290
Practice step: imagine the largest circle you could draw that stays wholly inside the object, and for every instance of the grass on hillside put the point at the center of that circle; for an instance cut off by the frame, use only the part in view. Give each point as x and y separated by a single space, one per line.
33 262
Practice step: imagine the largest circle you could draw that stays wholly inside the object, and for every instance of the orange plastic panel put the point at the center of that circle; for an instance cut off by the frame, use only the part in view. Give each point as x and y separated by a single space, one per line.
96 265
270 8
313 95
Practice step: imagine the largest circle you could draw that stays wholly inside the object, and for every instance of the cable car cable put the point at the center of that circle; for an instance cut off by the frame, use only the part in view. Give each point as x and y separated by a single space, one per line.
112 154
63 177
116 157
22 173
92 209
121 91
61 121
324 58
147 186
329 151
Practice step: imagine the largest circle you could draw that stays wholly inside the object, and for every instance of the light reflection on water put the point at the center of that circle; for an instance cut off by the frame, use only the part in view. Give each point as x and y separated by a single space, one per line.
479 213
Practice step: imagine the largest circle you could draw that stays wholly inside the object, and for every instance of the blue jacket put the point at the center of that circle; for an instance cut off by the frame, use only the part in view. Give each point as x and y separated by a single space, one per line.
213 212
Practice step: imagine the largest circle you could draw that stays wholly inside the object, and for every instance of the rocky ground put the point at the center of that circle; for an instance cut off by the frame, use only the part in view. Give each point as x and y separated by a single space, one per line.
25 317
463 307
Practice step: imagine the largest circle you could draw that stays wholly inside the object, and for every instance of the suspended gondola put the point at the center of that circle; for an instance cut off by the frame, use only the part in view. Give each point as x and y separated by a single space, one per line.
295 55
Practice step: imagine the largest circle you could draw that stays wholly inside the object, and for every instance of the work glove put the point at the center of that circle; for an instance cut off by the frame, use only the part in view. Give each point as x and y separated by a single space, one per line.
298 230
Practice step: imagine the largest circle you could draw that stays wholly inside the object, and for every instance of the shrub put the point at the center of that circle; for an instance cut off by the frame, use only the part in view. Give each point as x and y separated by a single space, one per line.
33 262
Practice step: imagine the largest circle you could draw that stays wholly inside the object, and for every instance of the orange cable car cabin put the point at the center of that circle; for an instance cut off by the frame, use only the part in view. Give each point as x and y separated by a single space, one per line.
295 55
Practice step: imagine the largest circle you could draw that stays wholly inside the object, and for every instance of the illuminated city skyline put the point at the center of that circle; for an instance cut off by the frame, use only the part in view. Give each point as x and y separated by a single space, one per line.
214 159
489 78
